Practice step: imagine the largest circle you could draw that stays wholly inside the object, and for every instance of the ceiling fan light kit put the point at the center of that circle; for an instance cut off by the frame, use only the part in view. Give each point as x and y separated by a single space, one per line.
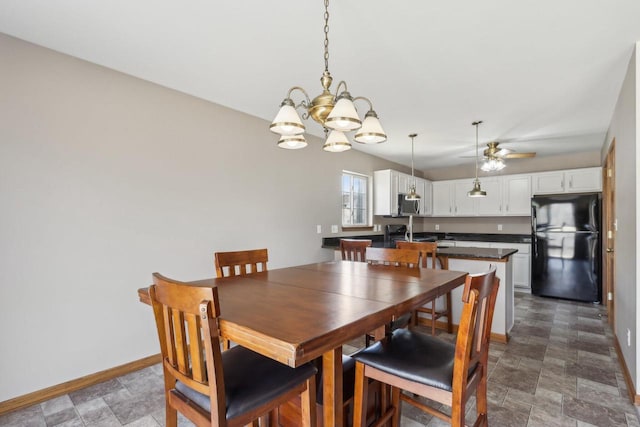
476 191
334 112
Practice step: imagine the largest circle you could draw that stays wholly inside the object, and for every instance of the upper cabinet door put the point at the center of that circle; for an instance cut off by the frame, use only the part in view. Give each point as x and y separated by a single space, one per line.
491 205
581 180
464 205
548 182
517 195
442 200
427 203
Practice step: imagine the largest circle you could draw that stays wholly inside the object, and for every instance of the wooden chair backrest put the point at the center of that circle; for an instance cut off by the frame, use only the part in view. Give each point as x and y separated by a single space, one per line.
427 251
354 249
390 256
239 263
472 344
186 319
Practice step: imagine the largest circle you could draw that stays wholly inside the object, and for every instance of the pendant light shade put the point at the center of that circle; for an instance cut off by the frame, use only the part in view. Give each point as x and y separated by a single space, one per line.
343 116
292 142
412 195
336 142
477 191
371 131
287 121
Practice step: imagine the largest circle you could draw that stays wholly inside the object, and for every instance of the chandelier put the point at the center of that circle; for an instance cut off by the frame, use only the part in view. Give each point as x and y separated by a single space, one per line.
476 191
336 113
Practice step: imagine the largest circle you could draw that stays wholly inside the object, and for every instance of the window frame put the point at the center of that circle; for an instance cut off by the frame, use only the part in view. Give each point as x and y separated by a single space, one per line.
368 204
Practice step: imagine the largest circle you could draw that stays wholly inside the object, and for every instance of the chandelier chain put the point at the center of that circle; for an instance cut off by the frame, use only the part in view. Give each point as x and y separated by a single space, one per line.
326 36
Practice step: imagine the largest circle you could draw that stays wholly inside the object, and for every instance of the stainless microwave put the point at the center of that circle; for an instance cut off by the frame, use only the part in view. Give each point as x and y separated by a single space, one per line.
407 207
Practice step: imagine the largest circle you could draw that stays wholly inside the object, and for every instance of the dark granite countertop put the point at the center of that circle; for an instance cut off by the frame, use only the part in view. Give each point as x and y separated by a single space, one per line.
487 253
378 239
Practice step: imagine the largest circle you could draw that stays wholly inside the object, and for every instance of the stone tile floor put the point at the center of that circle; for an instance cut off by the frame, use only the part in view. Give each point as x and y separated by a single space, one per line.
559 369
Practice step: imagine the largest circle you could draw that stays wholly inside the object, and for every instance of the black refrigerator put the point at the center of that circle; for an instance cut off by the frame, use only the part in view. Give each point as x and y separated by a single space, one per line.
566 247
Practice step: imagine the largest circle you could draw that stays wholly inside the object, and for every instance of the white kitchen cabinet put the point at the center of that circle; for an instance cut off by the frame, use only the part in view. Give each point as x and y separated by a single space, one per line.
492 204
463 205
521 263
388 183
516 195
567 181
442 198
385 192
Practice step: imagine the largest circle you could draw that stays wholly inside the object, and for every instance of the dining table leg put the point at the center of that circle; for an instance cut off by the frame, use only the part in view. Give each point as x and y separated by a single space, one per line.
332 387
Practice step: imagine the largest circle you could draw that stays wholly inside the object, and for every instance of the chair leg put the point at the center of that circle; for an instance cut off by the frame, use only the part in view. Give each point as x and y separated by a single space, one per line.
171 415
396 404
360 397
449 320
308 404
433 317
481 401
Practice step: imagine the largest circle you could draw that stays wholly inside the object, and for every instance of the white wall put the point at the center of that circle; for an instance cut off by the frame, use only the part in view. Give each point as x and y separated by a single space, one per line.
104 179
624 129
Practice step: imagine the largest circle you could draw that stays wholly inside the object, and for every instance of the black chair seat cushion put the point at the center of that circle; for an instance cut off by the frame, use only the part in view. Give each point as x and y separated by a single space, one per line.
250 380
413 356
348 379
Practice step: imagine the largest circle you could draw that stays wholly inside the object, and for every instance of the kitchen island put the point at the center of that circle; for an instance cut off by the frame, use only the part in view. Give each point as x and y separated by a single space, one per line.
478 260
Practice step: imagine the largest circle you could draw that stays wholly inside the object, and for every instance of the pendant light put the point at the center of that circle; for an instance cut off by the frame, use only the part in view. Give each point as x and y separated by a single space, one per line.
334 111
477 191
412 187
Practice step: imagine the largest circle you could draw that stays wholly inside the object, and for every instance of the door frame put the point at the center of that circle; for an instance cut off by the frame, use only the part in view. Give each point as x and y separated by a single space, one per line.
609 231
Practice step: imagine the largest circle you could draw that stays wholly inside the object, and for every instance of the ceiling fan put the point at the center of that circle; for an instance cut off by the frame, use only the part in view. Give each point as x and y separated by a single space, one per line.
494 157
504 153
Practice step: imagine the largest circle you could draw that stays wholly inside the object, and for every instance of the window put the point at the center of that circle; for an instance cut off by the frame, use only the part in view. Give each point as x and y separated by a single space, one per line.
355 199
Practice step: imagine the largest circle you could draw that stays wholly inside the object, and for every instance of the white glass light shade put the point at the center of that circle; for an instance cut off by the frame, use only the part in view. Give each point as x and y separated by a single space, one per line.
336 142
493 164
371 131
343 116
287 121
292 142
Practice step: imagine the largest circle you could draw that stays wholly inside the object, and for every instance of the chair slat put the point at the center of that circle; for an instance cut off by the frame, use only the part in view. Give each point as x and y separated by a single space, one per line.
195 348
180 342
168 329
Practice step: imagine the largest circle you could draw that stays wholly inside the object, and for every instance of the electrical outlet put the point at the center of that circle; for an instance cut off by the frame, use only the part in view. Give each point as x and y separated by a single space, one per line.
334 228
628 337
437 227
319 229
499 227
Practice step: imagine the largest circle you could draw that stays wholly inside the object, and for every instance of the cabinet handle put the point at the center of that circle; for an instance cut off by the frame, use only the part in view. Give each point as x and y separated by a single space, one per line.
571 182
456 209
507 208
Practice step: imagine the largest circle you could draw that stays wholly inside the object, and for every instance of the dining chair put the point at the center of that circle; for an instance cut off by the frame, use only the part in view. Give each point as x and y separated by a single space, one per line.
428 253
390 256
354 249
433 368
399 258
239 263
211 387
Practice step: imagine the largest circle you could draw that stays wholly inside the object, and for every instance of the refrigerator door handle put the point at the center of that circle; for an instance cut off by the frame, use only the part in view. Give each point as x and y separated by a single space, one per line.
534 229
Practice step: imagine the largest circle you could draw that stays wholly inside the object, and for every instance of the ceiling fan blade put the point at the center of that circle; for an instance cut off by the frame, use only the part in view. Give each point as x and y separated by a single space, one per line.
503 152
519 155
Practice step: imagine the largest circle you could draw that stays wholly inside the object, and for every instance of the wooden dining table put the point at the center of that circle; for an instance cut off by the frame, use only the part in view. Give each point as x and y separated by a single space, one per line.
297 314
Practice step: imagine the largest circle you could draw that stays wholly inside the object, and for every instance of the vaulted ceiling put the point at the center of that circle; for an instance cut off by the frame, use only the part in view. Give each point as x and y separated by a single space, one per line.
543 75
